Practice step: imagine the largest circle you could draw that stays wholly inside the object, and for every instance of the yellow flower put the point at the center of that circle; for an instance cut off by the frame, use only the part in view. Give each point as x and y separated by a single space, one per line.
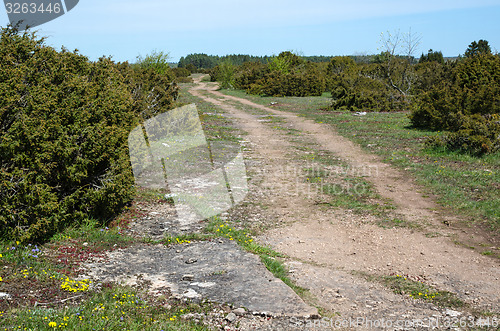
1 279
1 255
52 324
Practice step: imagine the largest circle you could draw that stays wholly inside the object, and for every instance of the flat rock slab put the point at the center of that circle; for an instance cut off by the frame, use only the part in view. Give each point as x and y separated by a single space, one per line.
218 270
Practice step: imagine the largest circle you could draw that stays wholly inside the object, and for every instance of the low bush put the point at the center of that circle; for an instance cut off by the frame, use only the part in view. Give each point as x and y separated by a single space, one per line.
181 72
467 105
285 75
360 88
477 135
64 125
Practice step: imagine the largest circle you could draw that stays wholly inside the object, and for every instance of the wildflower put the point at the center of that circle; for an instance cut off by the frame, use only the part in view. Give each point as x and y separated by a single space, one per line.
1 280
52 324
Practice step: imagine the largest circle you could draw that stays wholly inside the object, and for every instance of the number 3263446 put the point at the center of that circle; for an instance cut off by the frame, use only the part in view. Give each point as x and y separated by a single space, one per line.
32 8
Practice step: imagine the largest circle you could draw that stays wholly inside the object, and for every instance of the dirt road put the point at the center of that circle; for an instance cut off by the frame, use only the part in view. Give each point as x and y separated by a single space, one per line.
329 248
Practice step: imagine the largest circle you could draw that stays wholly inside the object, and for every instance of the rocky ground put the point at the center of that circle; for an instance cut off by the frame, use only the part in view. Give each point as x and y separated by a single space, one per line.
332 253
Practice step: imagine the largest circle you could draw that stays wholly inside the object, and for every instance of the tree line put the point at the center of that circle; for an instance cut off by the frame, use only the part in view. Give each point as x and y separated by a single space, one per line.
460 96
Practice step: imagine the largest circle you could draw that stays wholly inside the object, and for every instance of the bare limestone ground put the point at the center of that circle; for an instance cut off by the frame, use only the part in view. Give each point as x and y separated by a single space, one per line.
330 251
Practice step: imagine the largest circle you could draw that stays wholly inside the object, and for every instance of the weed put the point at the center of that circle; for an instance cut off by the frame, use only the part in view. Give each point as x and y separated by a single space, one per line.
416 289
114 308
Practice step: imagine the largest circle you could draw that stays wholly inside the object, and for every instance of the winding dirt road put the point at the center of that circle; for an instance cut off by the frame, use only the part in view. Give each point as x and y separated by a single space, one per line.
328 248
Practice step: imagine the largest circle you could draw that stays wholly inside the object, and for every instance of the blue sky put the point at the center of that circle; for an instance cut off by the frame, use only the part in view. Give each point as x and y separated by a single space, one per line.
125 29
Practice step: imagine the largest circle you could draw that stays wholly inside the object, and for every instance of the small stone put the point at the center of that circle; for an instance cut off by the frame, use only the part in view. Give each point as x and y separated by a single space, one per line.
5 296
188 278
301 241
177 296
204 285
240 311
452 313
231 317
191 294
191 261
187 316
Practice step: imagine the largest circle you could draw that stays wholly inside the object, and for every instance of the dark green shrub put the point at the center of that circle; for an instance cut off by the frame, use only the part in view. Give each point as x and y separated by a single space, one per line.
466 103
359 87
473 87
64 124
477 135
285 75
250 73
152 93
224 74
181 72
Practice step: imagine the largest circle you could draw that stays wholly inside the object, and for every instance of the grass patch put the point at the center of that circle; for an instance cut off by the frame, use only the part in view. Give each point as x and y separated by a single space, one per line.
219 228
113 308
278 269
404 285
185 239
347 186
402 223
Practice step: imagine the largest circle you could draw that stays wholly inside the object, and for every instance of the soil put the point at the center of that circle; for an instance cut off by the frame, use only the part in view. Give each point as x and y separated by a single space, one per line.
342 241
328 249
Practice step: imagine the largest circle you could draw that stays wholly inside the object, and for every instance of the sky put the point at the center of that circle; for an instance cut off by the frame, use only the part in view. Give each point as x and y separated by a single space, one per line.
125 29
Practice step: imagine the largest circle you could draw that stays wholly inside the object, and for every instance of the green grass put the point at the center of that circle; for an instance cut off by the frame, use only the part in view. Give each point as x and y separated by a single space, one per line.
219 228
114 308
278 269
466 183
404 285
347 187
